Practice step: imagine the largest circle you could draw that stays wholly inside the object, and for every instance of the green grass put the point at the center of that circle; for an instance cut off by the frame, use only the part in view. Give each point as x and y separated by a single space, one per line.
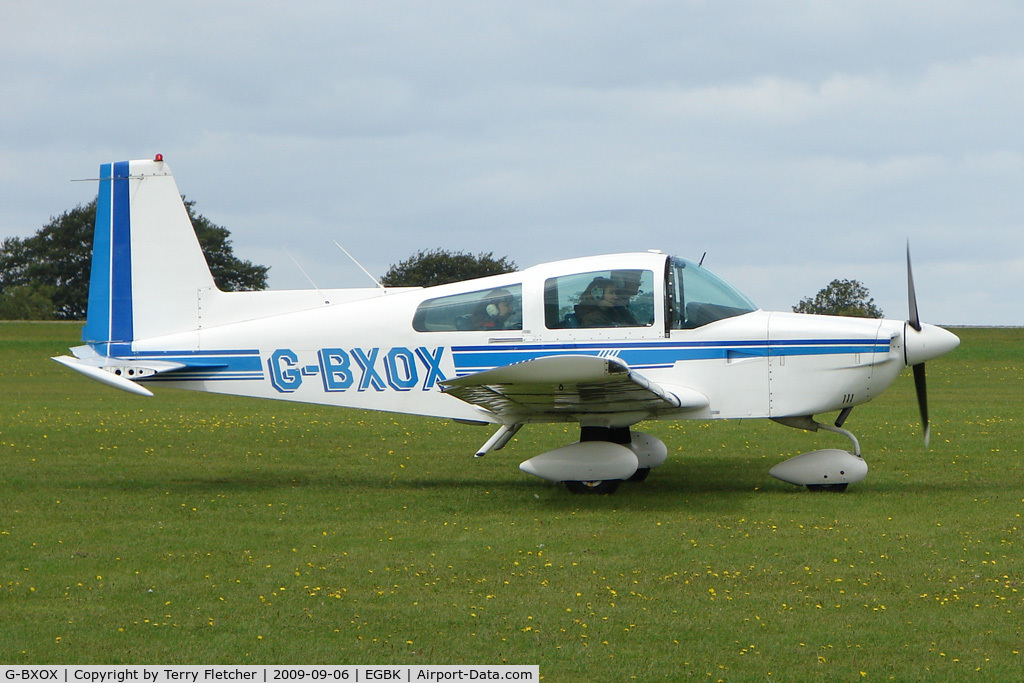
192 528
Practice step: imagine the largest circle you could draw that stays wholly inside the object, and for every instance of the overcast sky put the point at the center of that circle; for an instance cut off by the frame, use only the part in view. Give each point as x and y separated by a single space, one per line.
794 142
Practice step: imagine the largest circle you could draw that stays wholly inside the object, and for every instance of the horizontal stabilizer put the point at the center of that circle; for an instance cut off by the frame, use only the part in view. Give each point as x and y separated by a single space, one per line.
104 376
119 373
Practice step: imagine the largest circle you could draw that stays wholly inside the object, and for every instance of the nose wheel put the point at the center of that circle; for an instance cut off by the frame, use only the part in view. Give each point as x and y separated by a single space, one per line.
830 469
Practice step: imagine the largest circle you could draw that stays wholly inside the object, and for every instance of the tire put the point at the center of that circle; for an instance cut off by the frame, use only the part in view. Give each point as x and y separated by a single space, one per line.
640 474
606 487
835 488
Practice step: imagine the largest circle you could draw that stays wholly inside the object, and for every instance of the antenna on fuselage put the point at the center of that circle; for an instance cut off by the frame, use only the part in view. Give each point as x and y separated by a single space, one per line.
702 259
358 264
301 270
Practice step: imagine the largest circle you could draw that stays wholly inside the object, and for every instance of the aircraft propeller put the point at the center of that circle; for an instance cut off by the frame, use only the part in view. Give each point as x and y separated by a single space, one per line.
914 320
922 342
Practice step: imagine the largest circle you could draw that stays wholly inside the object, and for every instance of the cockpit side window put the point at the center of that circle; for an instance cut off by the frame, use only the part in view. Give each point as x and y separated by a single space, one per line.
604 298
500 308
696 296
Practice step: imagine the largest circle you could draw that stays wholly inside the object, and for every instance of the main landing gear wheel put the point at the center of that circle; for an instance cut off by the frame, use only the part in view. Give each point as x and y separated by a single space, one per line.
606 487
600 461
640 474
835 488
649 450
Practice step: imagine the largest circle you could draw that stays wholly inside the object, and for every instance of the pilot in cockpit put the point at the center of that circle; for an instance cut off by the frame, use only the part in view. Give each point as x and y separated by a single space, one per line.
605 303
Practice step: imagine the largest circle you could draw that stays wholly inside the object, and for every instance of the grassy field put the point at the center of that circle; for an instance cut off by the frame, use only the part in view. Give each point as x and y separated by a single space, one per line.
191 528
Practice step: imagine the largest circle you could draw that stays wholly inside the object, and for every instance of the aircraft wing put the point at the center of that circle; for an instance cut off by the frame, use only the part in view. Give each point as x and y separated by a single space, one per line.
560 388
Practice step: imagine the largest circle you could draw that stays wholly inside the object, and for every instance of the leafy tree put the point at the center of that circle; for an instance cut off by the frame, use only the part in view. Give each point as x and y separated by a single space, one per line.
27 302
56 262
438 267
231 273
57 256
841 297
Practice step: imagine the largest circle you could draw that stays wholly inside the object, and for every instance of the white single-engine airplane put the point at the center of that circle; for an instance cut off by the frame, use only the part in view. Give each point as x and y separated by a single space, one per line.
604 341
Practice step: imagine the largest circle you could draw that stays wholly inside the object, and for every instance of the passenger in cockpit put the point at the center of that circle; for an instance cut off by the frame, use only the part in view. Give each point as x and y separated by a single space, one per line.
497 311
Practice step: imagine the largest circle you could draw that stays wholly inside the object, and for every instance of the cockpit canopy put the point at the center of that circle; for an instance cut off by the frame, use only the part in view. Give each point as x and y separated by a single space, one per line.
637 291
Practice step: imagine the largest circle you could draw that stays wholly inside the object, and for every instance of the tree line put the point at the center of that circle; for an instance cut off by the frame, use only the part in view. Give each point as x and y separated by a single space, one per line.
46 276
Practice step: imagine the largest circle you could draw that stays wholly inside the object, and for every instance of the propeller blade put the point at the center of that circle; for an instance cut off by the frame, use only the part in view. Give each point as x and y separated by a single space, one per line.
914 320
922 400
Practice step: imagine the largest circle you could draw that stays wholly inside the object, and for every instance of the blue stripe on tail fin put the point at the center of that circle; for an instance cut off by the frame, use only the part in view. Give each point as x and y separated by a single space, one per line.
149 274
109 317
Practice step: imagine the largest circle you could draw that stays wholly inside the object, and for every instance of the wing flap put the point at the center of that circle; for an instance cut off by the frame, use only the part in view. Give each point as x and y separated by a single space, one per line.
565 387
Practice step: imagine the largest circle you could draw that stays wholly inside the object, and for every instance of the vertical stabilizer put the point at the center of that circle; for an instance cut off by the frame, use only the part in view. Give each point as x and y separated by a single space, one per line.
148 270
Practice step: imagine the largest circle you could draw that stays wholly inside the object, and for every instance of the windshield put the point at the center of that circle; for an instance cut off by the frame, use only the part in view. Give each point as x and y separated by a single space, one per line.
696 296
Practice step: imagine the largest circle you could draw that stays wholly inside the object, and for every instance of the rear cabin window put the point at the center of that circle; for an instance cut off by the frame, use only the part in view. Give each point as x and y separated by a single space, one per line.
498 308
603 298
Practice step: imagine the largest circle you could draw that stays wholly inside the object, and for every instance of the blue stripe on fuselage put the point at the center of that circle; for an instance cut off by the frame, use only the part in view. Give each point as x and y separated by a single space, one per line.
640 355
239 364
218 364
